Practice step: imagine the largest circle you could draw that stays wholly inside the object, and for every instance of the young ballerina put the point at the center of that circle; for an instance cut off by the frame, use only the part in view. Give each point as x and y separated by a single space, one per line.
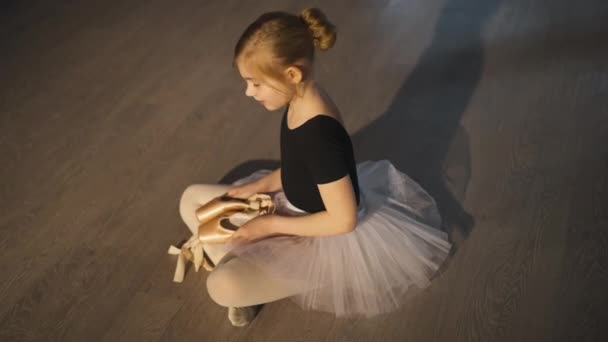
349 239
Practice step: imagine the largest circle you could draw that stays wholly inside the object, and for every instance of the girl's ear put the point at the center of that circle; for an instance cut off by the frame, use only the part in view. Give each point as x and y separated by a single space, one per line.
294 74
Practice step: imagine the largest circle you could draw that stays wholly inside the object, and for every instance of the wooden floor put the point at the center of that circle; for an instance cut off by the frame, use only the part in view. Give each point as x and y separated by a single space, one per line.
109 109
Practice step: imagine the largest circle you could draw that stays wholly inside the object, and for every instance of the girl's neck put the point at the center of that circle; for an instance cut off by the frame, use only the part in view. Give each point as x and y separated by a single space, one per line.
308 89
314 101
300 102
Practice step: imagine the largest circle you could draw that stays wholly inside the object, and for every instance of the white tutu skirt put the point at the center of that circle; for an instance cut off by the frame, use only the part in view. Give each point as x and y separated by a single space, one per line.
395 248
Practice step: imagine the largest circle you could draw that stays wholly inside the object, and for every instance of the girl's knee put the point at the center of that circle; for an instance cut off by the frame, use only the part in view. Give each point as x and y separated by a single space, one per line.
189 194
196 195
224 287
201 193
185 203
191 198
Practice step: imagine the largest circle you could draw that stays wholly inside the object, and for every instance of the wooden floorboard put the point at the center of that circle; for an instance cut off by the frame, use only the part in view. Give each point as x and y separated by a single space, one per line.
110 109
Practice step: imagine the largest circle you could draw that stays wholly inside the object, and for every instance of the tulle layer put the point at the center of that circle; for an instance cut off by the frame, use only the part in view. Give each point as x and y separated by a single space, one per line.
396 248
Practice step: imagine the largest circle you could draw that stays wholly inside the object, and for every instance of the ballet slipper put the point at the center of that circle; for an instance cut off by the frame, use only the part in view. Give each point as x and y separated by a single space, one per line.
242 316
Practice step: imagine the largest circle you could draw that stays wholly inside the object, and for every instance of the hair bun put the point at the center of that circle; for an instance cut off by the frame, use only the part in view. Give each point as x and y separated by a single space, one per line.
323 32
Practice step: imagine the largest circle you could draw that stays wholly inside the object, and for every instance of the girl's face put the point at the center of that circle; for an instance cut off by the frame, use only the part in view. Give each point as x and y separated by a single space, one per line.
263 92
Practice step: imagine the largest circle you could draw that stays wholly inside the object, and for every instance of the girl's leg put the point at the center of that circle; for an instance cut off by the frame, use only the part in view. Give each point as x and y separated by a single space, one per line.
237 283
234 282
193 198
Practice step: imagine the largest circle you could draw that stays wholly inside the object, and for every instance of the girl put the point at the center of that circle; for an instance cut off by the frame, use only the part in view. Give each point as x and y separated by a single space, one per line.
350 239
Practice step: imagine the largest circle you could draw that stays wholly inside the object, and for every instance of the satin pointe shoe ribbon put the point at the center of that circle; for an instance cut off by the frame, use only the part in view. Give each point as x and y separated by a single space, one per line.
191 250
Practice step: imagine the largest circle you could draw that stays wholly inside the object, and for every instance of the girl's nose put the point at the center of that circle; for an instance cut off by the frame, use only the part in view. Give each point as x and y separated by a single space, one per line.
250 91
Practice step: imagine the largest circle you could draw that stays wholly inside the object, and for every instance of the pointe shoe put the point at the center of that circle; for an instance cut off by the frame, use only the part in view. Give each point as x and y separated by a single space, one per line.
260 203
218 229
242 316
215 216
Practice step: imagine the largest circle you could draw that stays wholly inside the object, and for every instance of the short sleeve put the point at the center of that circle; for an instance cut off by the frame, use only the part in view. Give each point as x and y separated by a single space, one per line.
325 150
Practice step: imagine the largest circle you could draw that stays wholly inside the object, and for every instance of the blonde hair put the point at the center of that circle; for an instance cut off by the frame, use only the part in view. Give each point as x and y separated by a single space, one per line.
277 40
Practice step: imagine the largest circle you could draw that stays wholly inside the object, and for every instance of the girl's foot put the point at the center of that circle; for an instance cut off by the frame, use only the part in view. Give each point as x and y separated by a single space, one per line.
241 316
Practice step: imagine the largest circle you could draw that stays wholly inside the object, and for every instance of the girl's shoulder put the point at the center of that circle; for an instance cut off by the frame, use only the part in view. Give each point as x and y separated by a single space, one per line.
322 120
321 130
320 117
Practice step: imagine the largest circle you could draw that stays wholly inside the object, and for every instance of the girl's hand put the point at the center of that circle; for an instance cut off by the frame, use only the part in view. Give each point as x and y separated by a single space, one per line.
245 191
252 230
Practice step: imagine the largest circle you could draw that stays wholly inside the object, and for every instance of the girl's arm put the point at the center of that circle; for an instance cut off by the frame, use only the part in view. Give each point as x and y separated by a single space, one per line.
339 217
271 182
